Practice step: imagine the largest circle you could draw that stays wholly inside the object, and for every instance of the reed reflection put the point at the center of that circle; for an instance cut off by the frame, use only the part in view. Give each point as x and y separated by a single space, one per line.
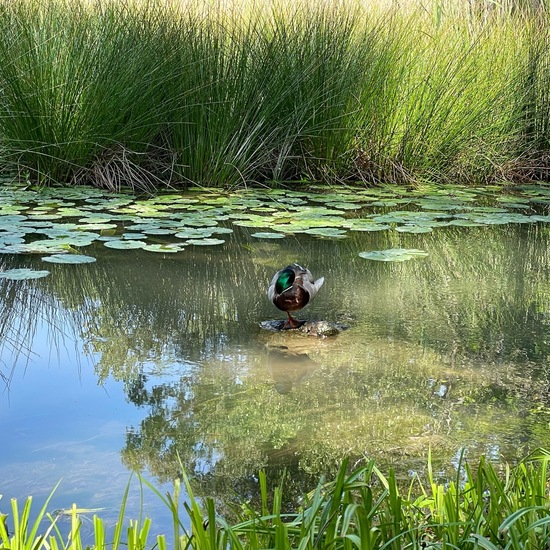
182 334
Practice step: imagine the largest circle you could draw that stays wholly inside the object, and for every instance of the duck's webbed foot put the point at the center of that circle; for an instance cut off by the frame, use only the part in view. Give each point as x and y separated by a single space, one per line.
291 322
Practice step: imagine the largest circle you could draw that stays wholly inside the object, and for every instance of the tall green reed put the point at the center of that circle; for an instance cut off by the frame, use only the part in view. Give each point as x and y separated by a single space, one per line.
77 83
456 95
269 94
150 93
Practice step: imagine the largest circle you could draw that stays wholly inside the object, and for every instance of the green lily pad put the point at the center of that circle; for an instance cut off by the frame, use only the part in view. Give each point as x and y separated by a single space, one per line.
158 231
29 226
344 205
169 248
23 273
497 218
365 225
414 229
71 212
487 209
292 200
440 204
406 216
393 254
290 227
465 223
69 259
194 233
390 202
124 244
202 222
97 226
140 226
13 219
45 217
326 232
133 236
42 247
74 239
12 238
264 222
267 235
205 242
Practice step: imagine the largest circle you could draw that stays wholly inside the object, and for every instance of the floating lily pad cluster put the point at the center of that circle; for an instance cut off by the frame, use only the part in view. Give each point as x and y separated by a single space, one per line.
393 254
57 223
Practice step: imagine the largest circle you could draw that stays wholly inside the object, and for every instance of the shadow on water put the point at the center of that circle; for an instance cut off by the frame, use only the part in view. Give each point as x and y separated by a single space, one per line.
443 352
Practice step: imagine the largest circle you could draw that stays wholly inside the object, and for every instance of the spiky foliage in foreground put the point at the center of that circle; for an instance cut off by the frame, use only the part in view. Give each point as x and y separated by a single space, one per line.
482 508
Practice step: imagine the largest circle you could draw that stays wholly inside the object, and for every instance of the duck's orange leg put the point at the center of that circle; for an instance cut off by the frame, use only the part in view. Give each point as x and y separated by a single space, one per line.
291 322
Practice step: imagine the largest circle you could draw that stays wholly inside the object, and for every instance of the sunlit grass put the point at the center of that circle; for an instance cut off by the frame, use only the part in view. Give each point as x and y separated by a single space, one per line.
484 507
127 92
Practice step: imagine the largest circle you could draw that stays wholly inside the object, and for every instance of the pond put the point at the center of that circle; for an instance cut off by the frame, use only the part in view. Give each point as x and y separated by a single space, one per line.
139 358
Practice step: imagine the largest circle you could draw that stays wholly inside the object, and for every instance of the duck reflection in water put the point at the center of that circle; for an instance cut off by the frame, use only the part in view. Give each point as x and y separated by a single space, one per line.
289 368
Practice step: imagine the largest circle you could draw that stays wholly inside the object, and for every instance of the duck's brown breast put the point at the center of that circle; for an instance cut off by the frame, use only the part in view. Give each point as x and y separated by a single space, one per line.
292 299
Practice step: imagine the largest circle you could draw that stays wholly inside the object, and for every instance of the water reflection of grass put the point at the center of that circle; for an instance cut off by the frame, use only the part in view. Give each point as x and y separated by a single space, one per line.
443 351
145 93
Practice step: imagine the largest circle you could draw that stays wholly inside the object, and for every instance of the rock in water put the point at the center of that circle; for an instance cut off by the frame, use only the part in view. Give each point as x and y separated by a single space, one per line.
321 329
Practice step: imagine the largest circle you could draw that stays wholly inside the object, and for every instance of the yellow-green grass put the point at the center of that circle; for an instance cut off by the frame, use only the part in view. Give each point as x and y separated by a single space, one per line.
129 92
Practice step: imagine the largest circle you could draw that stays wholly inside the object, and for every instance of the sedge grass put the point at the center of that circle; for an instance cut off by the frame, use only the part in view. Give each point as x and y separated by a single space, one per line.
126 92
76 83
487 507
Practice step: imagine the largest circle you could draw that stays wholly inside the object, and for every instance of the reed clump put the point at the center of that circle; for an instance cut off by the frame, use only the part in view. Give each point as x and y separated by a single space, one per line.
485 507
148 94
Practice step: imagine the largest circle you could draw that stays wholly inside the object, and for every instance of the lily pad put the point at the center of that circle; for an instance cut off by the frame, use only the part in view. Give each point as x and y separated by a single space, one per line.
393 254
290 227
344 205
23 273
264 222
124 245
465 223
365 225
41 247
267 235
158 231
169 248
95 218
45 217
96 226
326 232
414 229
69 259
193 233
205 242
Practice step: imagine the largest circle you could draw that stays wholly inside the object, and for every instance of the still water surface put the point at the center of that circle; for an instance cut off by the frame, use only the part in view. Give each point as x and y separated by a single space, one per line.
129 362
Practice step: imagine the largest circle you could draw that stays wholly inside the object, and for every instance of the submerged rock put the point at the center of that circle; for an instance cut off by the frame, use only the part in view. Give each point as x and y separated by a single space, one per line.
320 329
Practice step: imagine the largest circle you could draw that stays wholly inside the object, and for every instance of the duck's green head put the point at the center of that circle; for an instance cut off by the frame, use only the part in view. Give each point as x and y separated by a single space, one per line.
285 280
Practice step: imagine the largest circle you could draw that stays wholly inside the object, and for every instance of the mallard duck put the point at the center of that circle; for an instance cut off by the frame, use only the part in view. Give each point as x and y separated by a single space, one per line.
291 289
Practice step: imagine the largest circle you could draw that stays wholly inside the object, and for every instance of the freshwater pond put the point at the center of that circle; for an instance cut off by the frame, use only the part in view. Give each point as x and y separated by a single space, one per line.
148 354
